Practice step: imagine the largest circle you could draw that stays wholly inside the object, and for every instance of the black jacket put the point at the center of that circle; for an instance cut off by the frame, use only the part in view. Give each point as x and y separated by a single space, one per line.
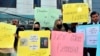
17 37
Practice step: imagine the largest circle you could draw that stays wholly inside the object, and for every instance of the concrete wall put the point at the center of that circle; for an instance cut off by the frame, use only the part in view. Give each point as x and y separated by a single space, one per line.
24 7
49 3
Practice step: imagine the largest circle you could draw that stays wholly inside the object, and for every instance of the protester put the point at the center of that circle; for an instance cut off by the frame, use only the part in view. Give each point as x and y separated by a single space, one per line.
94 20
19 28
36 26
58 25
73 27
15 22
66 27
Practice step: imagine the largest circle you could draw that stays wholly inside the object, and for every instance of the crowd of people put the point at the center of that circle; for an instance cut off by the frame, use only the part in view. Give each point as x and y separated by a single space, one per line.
58 26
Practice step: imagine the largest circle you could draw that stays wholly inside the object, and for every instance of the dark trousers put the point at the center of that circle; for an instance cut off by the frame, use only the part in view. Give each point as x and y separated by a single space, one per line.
16 43
85 52
91 51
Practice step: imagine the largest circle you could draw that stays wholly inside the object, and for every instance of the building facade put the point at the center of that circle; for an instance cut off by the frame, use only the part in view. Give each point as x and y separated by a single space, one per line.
25 8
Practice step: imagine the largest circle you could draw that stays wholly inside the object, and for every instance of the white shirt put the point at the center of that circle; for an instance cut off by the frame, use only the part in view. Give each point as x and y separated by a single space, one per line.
94 23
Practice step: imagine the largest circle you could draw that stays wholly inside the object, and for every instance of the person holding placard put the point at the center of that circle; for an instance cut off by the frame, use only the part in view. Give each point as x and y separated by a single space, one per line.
19 28
58 26
36 26
66 27
16 23
94 20
73 27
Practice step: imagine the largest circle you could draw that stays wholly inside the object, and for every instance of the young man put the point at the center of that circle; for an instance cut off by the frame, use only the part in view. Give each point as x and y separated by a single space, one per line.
19 28
94 20
16 23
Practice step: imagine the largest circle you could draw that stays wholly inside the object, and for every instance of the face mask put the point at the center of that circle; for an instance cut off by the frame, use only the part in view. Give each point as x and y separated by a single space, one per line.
36 29
59 26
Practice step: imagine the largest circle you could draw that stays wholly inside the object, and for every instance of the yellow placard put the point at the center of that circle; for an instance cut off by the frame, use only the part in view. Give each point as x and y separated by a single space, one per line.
34 43
75 13
7 32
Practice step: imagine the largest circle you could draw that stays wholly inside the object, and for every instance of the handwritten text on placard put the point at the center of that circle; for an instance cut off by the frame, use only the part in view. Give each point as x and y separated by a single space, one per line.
67 44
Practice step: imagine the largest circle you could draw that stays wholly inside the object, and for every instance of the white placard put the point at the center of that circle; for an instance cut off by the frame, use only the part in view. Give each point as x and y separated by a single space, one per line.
92 35
92 40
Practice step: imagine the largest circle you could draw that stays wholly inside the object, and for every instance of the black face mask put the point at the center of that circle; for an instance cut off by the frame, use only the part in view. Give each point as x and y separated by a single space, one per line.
59 26
36 29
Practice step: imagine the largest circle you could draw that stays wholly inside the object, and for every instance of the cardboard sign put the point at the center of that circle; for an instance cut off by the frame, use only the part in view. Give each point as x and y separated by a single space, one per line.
34 43
66 44
91 33
7 36
46 16
75 13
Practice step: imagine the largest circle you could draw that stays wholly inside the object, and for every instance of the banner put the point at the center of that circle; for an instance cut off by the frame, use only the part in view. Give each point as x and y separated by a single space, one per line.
34 43
46 16
7 36
75 13
91 33
66 44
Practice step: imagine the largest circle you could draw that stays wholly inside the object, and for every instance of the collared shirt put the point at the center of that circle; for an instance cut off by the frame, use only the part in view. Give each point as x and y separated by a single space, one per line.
95 23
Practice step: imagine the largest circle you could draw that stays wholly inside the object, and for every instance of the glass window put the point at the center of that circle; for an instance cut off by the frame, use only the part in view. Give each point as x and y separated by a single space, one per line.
37 3
61 2
8 3
75 1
